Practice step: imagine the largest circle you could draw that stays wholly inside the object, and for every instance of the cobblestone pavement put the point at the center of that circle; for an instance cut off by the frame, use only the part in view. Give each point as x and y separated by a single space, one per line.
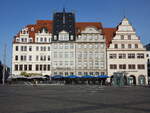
74 99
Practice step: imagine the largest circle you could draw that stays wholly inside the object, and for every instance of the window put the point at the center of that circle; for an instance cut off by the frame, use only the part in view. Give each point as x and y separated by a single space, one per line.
129 46
30 39
129 37
25 67
48 58
17 48
140 55
131 55
116 46
44 67
21 58
37 67
30 48
30 58
41 67
102 73
48 48
16 57
136 45
16 67
45 39
131 66
37 58
20 67
30 67
48 67
122 46
122 56
141 66
41 39
122 66
112 56
113 66
122 37
44 48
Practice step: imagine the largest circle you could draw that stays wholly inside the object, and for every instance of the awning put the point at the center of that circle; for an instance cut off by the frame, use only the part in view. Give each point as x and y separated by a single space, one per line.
72 76
102 76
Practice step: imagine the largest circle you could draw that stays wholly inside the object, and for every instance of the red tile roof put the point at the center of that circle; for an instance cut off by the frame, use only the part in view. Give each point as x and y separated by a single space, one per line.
109 34
82 25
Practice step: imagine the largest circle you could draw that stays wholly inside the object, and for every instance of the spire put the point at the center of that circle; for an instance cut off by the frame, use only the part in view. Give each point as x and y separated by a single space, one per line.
64 15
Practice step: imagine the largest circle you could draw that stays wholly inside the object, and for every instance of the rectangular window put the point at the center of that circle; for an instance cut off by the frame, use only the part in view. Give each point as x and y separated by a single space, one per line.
122 46
37 67
48 68
129 46
40 67
122 66
48 58
16 57
113 66
37 58
20 67
116 46
140 55
131 66
48 48
112 56
16 67
129 37
122 37
136 45
44 67
30 67
21 58
131 55
25 67
122 56
30 58
30 48
17 48
141 66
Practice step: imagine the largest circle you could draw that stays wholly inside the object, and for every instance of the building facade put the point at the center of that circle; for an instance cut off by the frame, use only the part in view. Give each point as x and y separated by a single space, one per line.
148 60
66 47
126 54
60 47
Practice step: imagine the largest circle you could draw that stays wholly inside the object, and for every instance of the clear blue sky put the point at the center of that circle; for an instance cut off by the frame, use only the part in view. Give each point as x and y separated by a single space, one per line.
15 14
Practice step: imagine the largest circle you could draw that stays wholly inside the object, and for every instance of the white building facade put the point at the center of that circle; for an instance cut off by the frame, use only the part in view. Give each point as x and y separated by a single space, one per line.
127 54
32 54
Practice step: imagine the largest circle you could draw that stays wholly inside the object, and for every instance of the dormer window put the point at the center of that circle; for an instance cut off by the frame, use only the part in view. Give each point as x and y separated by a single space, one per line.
129 37
122 37
41 39
17 40
30 39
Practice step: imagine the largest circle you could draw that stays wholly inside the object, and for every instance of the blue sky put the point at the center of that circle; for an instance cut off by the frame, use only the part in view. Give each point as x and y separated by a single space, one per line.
15 14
